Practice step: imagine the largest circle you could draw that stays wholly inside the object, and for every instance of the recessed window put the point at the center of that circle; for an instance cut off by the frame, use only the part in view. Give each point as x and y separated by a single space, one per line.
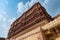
41 14
39 8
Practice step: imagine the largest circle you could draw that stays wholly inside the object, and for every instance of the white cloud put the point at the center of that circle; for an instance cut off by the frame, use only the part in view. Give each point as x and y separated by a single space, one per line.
11 20
22 8
46 1
6 26
3 16
26 6
3 26
33 2
5 22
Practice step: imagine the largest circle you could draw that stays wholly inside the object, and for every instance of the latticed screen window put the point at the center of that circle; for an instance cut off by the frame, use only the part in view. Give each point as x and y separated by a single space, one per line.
41 14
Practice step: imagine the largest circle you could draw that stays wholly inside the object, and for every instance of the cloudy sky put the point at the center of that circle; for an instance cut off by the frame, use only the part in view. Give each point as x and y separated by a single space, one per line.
12 9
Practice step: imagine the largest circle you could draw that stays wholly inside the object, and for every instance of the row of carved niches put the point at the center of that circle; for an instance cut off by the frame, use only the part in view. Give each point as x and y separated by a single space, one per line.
38 19
22 25
32 18
53 33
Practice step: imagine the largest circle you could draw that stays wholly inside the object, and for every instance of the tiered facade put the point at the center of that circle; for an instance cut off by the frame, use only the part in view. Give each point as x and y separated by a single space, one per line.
30 26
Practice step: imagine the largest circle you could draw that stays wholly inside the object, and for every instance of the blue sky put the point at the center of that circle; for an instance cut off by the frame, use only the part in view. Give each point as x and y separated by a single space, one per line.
12 9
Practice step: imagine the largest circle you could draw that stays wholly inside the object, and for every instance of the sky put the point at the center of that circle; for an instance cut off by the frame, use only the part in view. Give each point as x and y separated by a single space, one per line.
10 10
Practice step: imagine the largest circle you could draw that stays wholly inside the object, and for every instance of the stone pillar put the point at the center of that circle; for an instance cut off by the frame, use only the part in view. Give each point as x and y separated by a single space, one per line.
42 36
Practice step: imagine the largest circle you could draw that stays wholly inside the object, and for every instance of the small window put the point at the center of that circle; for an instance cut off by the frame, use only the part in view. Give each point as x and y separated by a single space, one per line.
41 14
39 8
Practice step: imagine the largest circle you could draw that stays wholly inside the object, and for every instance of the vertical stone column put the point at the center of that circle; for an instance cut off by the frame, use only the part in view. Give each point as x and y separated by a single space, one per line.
42 36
